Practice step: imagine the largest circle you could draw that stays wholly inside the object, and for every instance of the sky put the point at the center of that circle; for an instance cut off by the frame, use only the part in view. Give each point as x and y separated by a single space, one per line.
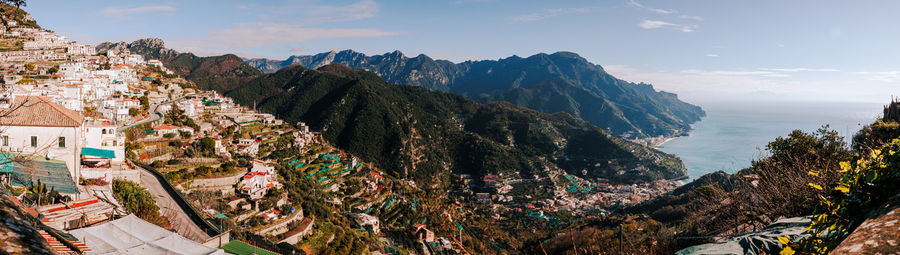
703 50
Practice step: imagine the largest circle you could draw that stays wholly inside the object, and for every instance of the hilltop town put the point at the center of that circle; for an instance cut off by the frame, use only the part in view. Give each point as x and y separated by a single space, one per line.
92 142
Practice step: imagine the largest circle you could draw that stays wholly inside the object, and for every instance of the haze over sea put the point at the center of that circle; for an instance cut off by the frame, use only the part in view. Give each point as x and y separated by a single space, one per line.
733 134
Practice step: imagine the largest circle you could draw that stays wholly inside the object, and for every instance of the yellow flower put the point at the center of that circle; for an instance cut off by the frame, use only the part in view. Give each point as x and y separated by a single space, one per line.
815 186
787 251
816 174
784 240
842 188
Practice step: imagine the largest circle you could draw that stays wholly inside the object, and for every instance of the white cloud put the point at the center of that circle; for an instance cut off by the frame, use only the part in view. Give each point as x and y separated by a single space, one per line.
548 13
712 55
801 69
117 11
695 85
883 76
299 48
699 86
252 35
725 73
361 10
312 12
697 18
654 24
471 1
660 11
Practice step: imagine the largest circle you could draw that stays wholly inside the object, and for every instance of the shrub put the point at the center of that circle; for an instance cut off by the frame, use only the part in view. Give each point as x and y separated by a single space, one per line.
138 201
94 181
869 179
157 164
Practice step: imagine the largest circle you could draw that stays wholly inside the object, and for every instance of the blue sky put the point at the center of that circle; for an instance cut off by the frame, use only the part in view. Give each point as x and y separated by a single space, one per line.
704 50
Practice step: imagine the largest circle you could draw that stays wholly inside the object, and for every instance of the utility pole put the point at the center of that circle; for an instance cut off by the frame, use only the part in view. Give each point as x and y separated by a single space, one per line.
621 247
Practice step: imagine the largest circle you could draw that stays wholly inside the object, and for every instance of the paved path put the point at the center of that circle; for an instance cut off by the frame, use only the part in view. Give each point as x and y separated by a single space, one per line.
182 224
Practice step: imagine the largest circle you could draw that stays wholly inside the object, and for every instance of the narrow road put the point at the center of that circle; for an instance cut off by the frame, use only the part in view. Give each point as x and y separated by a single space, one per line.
179 219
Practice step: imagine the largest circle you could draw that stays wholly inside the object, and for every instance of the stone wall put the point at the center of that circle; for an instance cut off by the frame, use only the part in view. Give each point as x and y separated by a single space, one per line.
879 234
279 226
223 184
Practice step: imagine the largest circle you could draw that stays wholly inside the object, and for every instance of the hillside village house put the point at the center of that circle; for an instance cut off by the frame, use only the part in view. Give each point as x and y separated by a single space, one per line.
35 126
257 182
172 129
101 134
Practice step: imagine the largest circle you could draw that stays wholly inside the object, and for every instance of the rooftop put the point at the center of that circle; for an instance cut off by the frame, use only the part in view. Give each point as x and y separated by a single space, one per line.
39 111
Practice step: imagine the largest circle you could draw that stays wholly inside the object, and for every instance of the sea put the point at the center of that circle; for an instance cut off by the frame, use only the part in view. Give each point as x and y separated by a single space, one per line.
734 133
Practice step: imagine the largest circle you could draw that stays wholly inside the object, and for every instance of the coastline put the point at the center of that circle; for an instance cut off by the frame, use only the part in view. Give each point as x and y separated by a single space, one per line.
664 141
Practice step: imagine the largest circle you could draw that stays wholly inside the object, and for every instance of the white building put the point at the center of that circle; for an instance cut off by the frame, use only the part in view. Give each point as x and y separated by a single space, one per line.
172 129
34 125
257 182
102 134
191 107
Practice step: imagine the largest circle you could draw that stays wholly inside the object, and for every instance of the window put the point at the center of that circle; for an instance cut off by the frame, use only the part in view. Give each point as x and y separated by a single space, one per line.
33 141
104 131
5 140
62 142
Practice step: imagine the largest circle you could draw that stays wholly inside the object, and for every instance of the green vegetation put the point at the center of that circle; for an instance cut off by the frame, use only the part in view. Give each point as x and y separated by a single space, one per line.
138 201
867 180
419 134
775 186
10 11
38 194
176 117
187 174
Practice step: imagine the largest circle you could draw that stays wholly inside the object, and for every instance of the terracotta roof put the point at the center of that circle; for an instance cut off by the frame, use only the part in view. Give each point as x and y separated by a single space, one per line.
39 111
167 126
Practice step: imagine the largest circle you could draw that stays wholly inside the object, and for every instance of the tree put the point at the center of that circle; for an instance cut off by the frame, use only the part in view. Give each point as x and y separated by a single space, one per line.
207 145
145 102
138 201
134 112
16 3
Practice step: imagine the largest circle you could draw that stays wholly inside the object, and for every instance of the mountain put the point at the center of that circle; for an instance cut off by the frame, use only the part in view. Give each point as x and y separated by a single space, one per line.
219 73
150 48
419 134
559 82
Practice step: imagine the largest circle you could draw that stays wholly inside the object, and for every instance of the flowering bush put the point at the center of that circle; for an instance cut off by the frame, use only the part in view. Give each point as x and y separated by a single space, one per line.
868 181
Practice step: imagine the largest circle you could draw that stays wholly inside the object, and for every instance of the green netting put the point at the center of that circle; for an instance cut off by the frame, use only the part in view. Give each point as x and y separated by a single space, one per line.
6 163
242 248
52 173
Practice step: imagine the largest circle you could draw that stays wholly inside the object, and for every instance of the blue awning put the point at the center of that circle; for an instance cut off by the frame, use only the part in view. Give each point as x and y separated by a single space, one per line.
94 152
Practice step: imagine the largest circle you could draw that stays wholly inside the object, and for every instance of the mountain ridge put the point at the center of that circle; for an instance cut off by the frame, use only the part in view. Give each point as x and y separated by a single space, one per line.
412 128
561 81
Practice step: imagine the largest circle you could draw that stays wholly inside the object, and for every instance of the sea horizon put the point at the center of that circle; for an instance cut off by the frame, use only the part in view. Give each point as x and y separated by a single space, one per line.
735 133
